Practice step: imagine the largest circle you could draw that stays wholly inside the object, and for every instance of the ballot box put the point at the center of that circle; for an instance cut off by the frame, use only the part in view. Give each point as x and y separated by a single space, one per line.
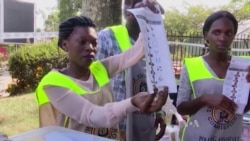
56 133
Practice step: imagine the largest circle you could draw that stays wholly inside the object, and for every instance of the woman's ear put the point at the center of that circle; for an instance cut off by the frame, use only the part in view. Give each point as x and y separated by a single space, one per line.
64 45
206 39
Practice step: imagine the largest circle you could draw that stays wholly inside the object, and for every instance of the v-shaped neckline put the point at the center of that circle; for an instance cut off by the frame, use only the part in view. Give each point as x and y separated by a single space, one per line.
211 70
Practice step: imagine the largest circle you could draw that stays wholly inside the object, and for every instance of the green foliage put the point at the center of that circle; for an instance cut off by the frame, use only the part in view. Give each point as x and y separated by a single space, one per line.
191 19
186 22
10 49
20 113
31 62
240 9
68 8
52 22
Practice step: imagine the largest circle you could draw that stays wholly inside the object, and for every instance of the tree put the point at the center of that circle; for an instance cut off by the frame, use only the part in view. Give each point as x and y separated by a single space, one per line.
240 9
192 19
186 22
180 25
52 22
103 12
69 8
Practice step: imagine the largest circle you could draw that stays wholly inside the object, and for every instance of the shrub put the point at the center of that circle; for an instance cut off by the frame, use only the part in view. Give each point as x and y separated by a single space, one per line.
31 62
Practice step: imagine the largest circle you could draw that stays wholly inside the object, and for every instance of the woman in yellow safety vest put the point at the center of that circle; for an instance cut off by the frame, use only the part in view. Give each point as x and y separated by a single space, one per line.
212 114
79 96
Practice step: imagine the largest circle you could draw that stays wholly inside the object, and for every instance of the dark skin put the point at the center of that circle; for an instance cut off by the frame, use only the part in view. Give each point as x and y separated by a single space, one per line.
133 31
220 36
149 99
131 23
81 47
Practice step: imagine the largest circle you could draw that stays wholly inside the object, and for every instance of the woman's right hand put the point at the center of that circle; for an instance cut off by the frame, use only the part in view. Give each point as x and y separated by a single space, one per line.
221 102
149 103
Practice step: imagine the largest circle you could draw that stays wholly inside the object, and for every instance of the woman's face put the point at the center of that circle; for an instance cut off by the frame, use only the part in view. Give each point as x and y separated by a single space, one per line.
220 35
81 46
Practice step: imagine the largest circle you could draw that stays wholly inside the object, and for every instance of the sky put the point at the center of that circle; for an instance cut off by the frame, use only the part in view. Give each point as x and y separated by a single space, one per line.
180 3
47 6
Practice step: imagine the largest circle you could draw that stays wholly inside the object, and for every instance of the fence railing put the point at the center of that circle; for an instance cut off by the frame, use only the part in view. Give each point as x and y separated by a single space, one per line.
193 44
181 46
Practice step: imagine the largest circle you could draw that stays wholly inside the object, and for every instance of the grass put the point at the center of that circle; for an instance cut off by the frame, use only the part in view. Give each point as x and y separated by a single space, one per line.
20 114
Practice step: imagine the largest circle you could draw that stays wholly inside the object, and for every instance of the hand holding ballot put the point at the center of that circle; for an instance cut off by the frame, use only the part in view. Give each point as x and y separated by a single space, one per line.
150 103
159 67
236 85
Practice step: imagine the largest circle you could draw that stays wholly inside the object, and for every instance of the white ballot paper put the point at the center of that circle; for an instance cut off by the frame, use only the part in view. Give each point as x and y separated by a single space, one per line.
235 85
158 59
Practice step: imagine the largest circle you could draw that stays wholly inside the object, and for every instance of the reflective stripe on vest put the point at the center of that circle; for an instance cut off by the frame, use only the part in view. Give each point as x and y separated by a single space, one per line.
196 70
57 79
121 36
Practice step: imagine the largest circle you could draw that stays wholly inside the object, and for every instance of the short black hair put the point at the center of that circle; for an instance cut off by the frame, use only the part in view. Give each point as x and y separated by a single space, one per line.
67 26
217 15
131 2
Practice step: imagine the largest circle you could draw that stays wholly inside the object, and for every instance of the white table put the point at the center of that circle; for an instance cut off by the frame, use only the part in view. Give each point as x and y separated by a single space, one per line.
56 133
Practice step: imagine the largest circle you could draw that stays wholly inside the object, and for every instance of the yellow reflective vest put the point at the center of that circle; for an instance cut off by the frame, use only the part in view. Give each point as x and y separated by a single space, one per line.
57 79
121 36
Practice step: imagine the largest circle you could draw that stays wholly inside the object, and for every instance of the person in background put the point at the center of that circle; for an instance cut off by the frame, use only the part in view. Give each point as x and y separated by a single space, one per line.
212 115
114 40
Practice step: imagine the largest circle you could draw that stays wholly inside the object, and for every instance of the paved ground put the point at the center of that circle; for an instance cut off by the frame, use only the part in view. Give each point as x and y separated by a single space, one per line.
5 79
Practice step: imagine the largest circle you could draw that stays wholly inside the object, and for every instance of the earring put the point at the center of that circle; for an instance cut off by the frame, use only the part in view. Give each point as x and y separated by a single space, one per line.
205 49
206 43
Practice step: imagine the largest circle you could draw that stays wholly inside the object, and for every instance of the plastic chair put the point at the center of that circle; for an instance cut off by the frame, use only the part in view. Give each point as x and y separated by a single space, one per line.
172 131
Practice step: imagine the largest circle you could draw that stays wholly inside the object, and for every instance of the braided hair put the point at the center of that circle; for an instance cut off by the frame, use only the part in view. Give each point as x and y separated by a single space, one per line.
66 27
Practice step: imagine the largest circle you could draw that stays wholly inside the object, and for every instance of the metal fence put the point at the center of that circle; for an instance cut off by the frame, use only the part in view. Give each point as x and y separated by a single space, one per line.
193 44
181 46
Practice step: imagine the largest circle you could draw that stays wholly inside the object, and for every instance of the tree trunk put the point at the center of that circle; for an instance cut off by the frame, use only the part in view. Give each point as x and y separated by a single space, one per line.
103 12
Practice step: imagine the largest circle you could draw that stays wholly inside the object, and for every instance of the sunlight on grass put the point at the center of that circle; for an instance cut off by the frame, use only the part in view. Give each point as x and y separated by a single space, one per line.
20 113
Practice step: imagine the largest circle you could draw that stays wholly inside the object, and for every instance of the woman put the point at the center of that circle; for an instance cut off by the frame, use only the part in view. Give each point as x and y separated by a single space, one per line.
79 96
201 84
